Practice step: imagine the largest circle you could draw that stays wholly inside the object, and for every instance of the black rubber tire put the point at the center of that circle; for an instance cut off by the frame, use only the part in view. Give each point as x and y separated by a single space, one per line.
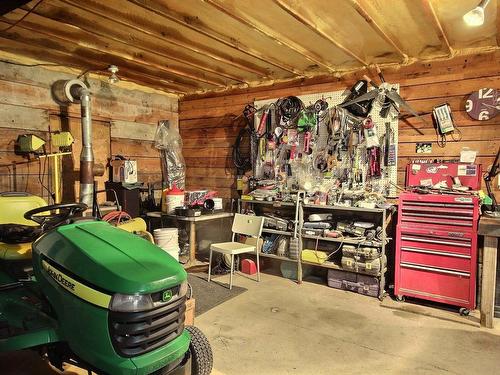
201 353
463 311
400 298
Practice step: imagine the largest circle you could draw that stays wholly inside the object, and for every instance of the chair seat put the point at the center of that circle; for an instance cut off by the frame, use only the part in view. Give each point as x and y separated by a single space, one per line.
18 251
232 248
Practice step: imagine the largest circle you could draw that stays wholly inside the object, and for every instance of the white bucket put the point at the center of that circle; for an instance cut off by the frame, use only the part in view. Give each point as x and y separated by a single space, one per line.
168 240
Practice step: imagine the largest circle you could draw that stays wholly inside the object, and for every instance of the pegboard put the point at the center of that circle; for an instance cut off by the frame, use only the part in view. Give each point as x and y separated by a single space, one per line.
334 98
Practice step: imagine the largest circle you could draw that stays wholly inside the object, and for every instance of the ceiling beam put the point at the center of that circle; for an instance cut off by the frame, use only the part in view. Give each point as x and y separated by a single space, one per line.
431 14
28 36
70 60
156 8
371 22
93 33
286 7
61 36
280 39
110 16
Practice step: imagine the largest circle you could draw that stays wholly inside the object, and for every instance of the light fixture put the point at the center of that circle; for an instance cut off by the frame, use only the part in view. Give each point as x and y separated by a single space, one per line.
113 78
476 16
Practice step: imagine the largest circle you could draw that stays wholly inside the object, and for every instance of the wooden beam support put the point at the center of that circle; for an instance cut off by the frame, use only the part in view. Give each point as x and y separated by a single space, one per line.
371 22
431 14
158 9
41 53
140 47
86 7
286 7
280 39
114 58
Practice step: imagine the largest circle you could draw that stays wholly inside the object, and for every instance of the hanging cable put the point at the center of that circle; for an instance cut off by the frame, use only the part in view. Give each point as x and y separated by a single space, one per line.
289 109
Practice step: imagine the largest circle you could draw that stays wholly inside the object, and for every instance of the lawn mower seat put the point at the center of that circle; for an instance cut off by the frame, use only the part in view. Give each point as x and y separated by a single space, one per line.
17 233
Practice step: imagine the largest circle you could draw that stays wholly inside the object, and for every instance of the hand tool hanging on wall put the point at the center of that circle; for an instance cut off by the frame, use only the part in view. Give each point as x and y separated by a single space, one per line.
390 150
374 162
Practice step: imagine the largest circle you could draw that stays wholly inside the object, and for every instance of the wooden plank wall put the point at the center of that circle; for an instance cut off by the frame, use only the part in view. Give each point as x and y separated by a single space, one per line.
124 122
209 126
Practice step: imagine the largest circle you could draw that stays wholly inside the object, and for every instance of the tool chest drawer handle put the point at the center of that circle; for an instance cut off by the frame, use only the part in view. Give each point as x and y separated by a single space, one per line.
434 252
438 242
440 270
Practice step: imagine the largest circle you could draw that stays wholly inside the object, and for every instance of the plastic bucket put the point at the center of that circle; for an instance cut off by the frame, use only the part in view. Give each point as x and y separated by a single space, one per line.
168 240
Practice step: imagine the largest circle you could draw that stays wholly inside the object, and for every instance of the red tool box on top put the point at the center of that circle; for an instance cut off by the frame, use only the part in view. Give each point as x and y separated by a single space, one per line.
436 248
431 173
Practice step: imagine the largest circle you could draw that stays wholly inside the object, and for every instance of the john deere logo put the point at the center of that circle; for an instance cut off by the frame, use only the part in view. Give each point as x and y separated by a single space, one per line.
166 296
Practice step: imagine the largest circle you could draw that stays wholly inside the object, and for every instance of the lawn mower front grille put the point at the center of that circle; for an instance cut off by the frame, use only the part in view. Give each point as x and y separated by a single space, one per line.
136 333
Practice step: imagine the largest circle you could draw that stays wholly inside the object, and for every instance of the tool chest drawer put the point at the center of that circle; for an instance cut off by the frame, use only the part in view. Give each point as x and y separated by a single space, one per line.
436 248
446 244
440 285
439 211
437 259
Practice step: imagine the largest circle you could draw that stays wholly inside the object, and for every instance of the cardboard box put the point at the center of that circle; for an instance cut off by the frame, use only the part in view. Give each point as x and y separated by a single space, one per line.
189 315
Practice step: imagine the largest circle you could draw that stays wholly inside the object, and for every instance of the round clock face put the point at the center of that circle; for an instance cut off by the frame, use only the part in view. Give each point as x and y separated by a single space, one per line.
483 104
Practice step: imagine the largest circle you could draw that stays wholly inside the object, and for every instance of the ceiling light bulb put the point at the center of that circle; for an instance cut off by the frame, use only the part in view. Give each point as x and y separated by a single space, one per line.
475 17
113 78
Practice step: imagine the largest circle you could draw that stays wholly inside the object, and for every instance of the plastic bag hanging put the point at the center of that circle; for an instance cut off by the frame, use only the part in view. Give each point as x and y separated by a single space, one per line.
169 142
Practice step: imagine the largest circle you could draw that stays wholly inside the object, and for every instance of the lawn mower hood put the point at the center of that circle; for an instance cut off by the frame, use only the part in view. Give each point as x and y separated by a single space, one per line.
108 258
119 299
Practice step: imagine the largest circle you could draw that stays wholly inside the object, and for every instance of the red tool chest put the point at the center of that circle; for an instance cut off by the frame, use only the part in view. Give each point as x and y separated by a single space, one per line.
436 248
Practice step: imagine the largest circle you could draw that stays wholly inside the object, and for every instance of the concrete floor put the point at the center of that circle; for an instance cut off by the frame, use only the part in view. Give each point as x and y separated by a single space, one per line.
278 327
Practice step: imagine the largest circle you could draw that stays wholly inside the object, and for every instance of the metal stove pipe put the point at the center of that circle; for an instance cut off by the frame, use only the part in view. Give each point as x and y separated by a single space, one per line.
75 91
87 154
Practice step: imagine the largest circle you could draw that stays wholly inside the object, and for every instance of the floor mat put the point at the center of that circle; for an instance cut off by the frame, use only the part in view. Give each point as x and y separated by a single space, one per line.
208 295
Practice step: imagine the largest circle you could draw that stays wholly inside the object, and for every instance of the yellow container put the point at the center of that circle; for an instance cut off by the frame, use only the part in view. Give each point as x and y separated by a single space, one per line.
314 256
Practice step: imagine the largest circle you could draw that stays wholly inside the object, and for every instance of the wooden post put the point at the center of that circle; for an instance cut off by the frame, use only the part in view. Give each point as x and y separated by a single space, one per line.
488 281
489 227
192 243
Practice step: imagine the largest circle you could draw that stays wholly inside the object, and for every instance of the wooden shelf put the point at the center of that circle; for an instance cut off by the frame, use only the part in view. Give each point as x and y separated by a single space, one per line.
343 240
342 208
271 203
334 266
274 231
274 256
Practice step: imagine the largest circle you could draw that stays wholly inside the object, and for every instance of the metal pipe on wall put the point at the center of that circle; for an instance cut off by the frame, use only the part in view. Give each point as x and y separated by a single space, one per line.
87 154
75 91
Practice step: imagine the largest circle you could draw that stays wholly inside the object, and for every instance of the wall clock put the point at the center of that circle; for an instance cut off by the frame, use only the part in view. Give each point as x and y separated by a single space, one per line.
483 104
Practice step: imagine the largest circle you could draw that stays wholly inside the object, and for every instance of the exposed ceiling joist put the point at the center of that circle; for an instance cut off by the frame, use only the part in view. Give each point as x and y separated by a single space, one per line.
161 39
138 47
283 5
26 35
73 61
432 16
280 39
371 22
153 7
64 37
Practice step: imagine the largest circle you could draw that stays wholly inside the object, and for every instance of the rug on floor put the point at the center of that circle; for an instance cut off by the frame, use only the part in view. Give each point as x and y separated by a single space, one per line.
208 295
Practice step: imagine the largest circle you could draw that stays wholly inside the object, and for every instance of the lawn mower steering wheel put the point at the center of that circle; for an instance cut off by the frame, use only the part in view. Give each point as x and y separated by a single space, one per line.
66 211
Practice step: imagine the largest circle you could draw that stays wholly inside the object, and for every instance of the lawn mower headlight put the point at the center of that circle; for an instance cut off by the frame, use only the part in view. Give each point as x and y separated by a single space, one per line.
131 303
183 289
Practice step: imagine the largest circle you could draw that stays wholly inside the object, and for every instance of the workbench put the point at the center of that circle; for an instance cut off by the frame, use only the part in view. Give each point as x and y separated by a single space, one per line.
192 220
489 227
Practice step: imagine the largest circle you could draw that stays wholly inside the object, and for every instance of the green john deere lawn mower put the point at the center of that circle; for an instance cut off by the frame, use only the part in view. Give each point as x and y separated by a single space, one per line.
96 296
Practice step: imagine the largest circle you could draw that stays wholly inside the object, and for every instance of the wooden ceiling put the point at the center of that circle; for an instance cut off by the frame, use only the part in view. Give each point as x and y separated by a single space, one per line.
190 46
